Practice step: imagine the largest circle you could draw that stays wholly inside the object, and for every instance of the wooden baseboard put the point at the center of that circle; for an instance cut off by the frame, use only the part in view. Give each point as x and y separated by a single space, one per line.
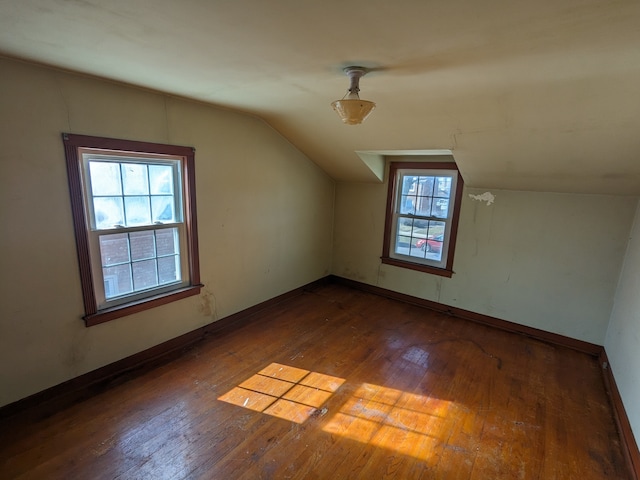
629 444
58 397
586 347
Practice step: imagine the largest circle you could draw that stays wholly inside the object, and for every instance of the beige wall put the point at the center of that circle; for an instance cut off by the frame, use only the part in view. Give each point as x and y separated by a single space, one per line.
623 337
265 216
266 222
545 260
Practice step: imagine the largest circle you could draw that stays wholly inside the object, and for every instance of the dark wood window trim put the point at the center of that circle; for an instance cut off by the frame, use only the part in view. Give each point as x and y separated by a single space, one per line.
72 144
447 271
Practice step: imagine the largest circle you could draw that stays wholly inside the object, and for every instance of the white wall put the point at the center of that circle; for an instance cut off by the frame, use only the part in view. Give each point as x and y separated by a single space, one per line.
623 337
546 260
265 216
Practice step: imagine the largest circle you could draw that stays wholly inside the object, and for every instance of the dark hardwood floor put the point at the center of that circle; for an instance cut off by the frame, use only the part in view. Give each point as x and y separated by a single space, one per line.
333 384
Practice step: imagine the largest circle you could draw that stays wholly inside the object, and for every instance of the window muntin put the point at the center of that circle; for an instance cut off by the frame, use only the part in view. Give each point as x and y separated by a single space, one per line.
134 212
422 212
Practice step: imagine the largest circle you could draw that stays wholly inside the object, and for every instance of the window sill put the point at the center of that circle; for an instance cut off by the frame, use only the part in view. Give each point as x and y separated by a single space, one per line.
112 313
418 267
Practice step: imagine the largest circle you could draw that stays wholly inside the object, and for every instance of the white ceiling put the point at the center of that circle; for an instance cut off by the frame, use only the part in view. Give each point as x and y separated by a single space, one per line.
537 95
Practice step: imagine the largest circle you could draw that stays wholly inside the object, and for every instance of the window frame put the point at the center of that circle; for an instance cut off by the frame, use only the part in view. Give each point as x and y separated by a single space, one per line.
392 196
74 145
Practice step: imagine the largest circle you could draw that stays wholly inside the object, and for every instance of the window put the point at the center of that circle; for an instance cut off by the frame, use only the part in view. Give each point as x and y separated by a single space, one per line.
423 207
134 212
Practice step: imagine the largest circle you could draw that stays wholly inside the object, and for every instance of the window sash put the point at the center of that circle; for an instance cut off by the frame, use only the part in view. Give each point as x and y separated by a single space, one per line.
394 213
399 219
96 232
136 294
90 156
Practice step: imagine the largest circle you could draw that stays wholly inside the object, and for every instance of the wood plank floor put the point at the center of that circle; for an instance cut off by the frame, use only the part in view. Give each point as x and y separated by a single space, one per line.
336 384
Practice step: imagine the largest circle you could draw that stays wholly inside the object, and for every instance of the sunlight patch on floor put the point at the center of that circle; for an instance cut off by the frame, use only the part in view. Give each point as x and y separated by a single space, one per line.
407 423
283 391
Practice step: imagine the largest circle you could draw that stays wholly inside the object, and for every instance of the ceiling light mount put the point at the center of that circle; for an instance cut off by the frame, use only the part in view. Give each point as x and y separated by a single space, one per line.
351 109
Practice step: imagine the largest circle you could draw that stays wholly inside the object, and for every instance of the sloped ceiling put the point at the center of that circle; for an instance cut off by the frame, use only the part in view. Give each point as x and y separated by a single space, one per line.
541 95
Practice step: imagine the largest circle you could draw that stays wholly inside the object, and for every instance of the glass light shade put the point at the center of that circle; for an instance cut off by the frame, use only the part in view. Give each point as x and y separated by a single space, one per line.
353 111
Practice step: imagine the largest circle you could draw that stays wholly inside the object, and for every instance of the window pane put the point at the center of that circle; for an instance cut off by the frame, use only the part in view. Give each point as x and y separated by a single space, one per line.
162 209
432 247
434 241
105 178
403 243
161 178
416 249
138 211
167 241
405 226
436 228
408 185
408 205
443 187
424 206
425 186
108 212
169 269
134 179
440 207
117 280
142 245
114 249
145 274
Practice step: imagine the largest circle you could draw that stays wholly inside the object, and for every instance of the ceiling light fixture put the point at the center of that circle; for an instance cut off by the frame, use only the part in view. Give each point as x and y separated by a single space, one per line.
350 108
